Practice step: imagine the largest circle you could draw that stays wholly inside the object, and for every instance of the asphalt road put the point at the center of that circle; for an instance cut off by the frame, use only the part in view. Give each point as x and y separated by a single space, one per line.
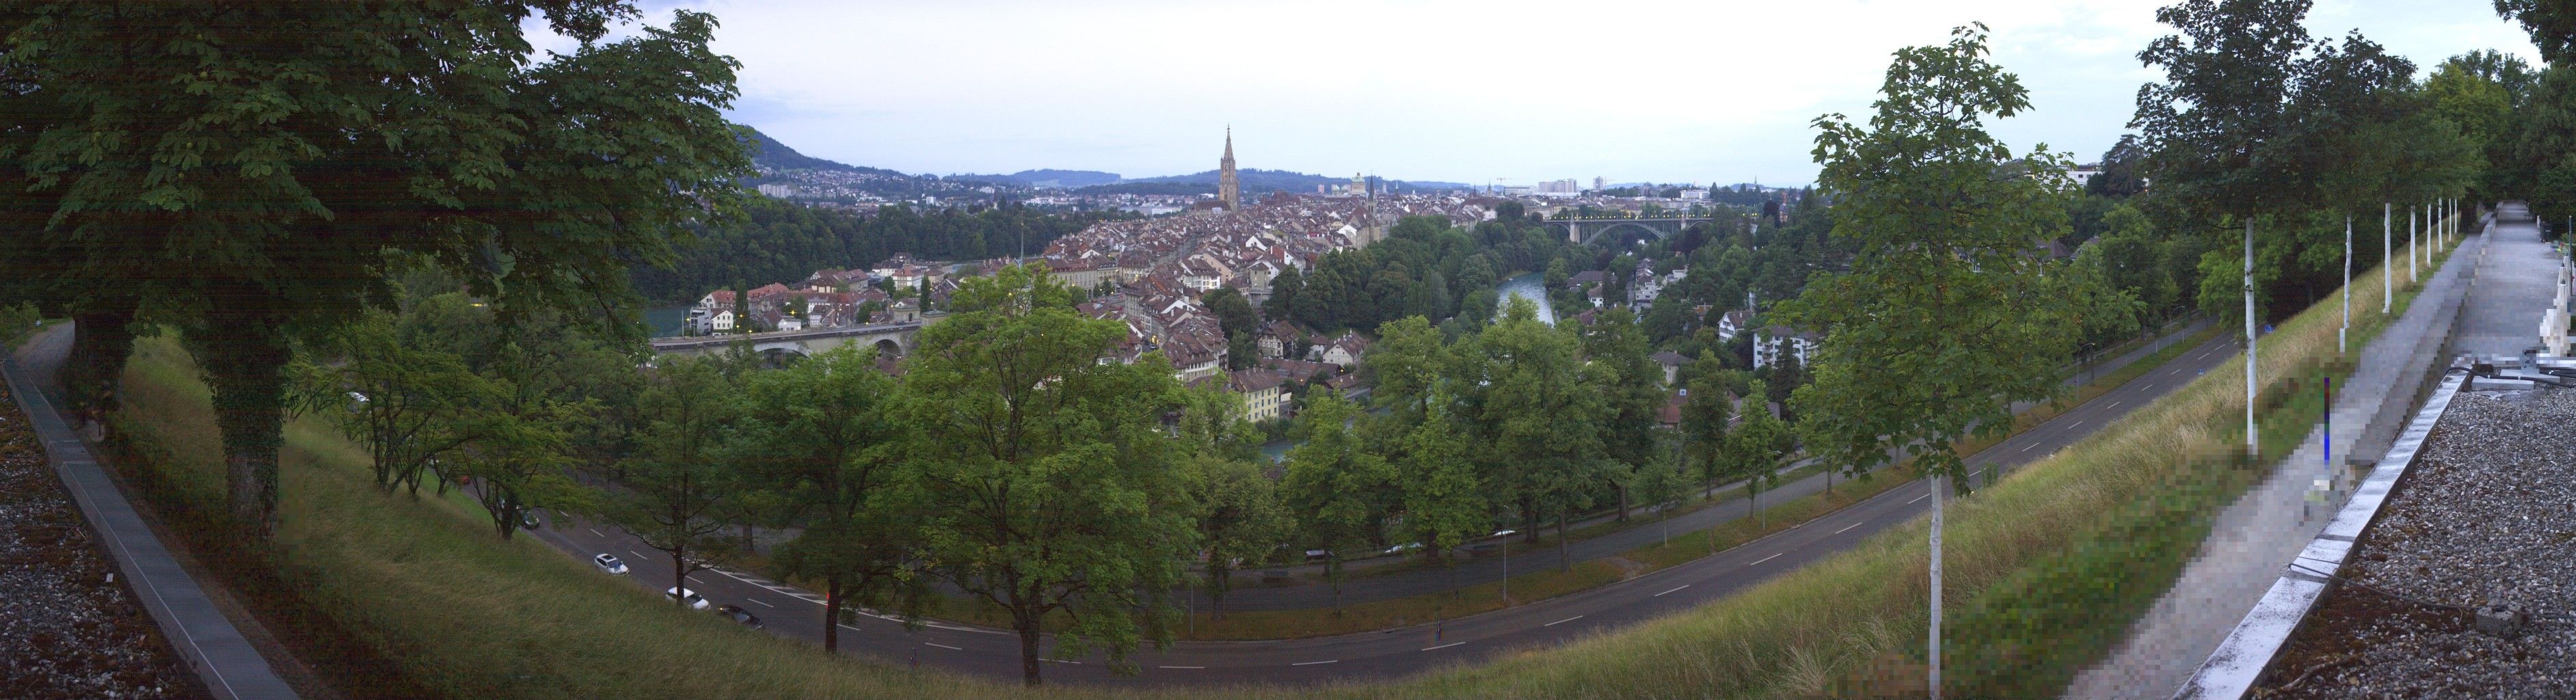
789 611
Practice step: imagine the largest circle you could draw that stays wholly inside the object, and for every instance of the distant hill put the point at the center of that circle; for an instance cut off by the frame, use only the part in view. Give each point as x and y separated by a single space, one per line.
777 156
1256 180
1049 177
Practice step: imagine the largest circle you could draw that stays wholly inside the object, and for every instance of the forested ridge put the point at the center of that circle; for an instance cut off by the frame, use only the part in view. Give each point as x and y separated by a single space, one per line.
775 241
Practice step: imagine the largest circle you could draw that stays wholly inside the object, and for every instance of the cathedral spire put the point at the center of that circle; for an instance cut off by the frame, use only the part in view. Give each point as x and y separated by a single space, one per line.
1228 190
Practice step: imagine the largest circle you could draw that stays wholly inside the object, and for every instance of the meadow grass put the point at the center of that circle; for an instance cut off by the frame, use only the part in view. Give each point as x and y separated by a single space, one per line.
2045 570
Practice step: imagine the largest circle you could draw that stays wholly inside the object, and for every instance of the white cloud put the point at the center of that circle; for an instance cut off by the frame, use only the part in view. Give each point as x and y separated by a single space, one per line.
1462 91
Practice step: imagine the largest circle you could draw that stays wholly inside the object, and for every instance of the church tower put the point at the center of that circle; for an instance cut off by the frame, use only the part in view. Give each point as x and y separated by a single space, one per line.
1228 190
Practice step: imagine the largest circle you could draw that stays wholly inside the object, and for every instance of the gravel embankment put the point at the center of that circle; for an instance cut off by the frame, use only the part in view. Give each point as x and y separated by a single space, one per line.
65 631
2487 516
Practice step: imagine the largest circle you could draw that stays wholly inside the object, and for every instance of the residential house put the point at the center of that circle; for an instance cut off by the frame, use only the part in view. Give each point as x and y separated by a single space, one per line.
1264 396
1278 337
1672 363
1345 351
1769 343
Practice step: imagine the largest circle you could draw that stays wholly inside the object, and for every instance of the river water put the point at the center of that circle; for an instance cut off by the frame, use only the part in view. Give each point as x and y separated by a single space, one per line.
1532 286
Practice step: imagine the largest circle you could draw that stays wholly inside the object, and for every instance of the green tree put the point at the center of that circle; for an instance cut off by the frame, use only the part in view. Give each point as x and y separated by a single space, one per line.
409 406
1284 290
1661 484
1943 320
1444 499
1045 481
824 434
249 167
677 480
1408 358
1706 412
1240 516
1537 416
1756 450
1340 490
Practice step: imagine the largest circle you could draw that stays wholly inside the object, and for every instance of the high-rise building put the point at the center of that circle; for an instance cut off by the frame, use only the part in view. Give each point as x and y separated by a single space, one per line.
1600 183
1228 190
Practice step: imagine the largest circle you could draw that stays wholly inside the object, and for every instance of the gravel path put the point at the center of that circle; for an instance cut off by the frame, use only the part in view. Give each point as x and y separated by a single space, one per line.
2487 516
67 630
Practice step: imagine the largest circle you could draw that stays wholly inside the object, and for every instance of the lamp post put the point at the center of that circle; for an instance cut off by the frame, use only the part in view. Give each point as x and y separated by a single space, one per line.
2342 335
2387 252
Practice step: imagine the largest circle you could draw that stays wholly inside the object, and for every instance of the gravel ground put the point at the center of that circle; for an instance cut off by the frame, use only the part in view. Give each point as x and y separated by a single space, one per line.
2487 516
65 631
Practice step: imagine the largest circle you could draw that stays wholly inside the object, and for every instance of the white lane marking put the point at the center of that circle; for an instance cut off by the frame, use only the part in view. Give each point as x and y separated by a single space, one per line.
1847 528
595 531
2115 403
1675 588
2026 448
1926 494
1180 667
1768 558
1560 622
1061 661
2078 424
1315 663
1443 646
638 555
763 604
944 646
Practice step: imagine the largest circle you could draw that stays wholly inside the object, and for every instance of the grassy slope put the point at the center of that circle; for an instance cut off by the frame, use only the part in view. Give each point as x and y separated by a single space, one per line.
2046 570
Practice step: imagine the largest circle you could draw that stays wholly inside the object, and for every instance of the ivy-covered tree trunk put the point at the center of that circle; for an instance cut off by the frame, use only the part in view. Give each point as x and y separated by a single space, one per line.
244 358
101 340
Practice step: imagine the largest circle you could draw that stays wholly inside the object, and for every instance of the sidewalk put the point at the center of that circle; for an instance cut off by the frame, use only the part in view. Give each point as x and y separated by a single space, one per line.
2262 530
210 644
1248 595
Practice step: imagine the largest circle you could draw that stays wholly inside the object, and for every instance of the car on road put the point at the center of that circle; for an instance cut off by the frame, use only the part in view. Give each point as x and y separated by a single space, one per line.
695 601
528 520
610 563
1402 548
739 615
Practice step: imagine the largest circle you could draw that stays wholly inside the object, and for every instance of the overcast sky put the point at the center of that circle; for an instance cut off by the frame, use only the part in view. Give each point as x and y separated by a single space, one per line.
1458 91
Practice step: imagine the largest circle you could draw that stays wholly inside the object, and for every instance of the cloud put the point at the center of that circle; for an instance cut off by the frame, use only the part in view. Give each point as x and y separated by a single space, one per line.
1461 91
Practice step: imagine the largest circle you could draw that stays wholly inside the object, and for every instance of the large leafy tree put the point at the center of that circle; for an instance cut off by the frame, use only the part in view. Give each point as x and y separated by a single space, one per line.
1944 319
249 166
1537 416
677 482
824 435
1341 491
1046 483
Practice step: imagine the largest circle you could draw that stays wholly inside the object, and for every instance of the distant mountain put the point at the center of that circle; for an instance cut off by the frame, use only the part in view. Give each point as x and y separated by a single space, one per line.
1049 177
775 156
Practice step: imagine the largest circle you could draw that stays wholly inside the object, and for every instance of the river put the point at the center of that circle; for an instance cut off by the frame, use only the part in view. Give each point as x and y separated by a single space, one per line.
665 321
1533 287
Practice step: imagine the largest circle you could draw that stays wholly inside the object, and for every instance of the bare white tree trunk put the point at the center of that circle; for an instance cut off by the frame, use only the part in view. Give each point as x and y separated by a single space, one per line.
1939 495
2251 441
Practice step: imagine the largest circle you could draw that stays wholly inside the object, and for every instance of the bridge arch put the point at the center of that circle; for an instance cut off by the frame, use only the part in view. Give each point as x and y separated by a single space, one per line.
887 347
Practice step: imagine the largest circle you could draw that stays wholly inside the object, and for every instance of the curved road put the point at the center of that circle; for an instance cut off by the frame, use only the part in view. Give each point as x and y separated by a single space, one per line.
793 612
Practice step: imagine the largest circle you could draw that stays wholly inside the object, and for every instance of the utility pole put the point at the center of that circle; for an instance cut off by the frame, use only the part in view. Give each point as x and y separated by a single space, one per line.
2387 252
2411 248
2342 335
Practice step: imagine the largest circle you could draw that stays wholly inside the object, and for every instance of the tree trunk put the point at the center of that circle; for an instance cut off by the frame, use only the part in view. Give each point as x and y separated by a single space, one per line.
244 359
1623 503
832 612
1027 626
102 337
1564 557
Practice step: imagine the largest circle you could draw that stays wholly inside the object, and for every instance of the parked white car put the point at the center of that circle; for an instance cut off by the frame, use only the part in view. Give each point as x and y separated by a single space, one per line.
610 563
695 601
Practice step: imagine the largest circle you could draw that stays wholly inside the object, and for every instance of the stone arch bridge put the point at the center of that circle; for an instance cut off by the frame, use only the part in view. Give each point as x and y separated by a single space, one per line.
890 339
1584 231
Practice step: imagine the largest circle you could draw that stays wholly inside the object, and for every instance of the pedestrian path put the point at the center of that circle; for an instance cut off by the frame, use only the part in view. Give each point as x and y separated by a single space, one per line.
201 634
2480 287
